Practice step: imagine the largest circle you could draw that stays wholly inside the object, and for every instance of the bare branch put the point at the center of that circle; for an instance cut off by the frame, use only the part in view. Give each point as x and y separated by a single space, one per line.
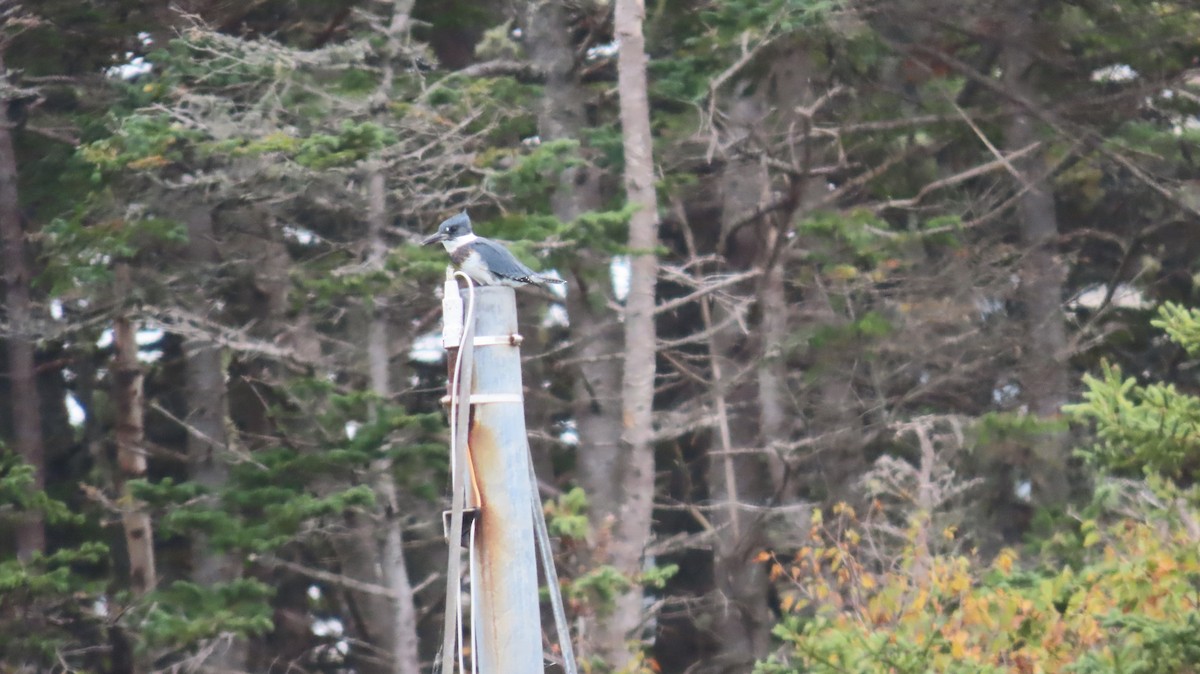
1003 161
706 288
336 579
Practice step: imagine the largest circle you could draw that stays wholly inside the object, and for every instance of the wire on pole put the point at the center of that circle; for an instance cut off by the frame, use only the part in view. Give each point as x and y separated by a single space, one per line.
460 382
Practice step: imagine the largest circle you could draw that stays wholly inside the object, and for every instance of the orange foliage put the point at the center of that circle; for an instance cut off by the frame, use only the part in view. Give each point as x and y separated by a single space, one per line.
956 614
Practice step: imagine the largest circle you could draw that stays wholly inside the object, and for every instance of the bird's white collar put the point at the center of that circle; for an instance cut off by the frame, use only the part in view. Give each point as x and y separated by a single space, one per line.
452 245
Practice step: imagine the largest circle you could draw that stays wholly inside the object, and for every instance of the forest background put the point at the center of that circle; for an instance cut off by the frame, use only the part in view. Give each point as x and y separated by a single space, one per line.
877 353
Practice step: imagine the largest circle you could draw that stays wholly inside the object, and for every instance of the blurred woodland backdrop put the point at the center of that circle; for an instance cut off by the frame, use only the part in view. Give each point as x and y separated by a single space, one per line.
877 353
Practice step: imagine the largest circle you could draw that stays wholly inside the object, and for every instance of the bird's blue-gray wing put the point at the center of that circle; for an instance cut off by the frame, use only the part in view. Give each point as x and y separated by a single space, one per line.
503 263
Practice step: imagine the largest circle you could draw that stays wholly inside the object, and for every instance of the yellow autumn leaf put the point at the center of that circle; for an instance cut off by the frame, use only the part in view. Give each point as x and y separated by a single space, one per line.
786 602
843 272
971 611
152 161
918 603
1004 560
960 582
958 644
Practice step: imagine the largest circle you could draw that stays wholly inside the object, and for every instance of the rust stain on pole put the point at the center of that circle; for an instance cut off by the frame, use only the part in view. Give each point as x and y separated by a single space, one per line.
507 617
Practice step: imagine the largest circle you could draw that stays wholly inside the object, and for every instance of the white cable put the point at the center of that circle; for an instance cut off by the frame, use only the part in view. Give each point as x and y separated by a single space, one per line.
542 537
460 497
474 601
458 617
460 378
456 384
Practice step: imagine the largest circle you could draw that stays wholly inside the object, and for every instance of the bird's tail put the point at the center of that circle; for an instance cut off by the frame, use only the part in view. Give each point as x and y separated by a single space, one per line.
549 279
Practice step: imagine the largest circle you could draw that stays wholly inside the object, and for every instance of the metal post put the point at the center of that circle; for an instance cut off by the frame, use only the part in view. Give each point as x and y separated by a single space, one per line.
507 619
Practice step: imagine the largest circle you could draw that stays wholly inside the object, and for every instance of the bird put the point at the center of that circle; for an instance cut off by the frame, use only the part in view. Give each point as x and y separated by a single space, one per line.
487 262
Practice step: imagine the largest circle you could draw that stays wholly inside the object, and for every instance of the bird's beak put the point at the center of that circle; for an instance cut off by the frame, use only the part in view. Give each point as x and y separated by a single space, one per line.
433 238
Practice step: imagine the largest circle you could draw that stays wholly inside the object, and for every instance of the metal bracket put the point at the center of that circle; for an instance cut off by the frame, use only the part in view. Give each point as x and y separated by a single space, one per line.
498 340
469 516
488 398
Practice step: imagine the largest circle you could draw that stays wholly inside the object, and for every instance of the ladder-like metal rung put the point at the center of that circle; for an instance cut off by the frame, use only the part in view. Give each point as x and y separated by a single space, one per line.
469 515
488 398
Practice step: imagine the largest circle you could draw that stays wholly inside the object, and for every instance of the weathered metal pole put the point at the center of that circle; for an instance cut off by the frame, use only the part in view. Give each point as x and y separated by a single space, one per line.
506 619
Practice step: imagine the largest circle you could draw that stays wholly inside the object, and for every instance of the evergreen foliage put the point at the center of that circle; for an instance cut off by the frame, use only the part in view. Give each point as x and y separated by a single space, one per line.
1146 428
48 603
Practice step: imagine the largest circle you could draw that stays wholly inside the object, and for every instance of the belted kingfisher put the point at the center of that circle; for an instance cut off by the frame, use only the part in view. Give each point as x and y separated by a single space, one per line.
485 261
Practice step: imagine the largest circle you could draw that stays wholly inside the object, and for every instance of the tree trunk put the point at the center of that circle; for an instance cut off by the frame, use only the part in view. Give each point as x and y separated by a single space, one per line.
378 540
743 621
596 403
131 452
375 554
633 525
26 413
256 234
749 388
208 438
772 382
1045 381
